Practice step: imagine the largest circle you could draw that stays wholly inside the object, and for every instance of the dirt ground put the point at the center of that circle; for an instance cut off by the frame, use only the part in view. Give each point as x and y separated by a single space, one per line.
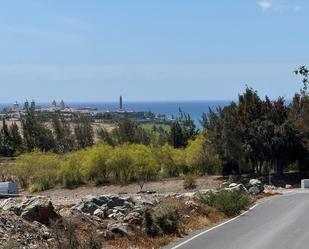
174 185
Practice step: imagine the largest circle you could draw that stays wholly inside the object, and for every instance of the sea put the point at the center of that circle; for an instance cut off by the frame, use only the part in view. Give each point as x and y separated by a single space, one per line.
170 108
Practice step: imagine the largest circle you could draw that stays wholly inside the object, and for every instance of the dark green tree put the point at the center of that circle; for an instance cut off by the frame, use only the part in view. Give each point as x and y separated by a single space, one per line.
17 140
84 132
129 131
6 141
35 133
64 138
177 137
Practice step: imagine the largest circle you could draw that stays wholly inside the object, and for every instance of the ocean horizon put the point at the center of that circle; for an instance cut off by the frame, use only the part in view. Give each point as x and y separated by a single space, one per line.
170 108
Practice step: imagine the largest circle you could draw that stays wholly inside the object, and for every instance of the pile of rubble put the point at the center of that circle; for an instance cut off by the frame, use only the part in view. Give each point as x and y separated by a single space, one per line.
123 214
15 232
24 223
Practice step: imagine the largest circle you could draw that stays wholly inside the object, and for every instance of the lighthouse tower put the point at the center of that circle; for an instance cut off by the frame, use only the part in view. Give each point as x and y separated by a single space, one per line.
120 104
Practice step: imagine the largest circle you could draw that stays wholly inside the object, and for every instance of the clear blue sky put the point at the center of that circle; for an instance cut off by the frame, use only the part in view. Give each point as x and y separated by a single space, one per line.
95 50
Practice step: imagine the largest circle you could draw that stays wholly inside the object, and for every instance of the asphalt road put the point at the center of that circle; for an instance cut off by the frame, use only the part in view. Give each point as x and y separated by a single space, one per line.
279 223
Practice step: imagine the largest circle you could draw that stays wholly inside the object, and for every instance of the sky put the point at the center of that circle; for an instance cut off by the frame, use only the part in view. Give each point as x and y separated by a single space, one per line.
150 50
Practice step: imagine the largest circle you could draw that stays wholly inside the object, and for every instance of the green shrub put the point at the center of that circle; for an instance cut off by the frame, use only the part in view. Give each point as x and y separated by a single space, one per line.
229 202
37 169
200 157
94 167
38 187
70 170
189 182
163 221
150 226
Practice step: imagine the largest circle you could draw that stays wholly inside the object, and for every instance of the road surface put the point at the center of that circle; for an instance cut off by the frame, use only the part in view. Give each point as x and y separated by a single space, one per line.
279 223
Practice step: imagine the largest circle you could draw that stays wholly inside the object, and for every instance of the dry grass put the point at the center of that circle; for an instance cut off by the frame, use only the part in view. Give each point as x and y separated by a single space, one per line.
140 241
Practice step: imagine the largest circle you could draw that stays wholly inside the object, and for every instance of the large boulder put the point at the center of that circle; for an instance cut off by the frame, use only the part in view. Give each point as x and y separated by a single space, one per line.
254 190
115 201
237 187
256 186
32 209
38 209
86 206
255 182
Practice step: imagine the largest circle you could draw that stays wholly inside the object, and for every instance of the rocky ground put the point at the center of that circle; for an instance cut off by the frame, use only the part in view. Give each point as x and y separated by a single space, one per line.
171 185
94 219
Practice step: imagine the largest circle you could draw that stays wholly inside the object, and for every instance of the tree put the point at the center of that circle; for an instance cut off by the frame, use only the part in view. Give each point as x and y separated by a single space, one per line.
201 158
177 137
84 133
105 137
17 141
35 134
64 139
304 72
128 131
6 142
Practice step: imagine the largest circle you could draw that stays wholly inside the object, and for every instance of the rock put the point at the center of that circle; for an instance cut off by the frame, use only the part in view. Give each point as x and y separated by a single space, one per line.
254 190
115 201
38 209
237 187
255 182
233 185
91 203
86 206
15 232
119 229
99 213
133 218
116 215
10 205
288 186
32 209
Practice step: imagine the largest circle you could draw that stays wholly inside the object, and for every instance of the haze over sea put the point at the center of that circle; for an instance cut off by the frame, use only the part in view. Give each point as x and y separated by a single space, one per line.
169 108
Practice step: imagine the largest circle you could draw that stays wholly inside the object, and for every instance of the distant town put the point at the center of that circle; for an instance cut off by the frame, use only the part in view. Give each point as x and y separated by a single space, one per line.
17 111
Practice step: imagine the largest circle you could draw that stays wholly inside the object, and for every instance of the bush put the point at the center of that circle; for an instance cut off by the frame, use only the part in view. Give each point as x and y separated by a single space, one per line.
170 160
229 202
94 167
37 169
162 221
189 182
201 158
70 170
150 226
38 187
